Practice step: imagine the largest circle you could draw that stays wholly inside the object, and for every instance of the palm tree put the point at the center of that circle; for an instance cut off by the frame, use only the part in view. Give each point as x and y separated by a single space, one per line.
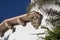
55 34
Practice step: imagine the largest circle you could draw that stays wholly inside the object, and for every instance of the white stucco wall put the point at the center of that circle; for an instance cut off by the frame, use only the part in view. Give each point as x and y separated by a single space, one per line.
25 33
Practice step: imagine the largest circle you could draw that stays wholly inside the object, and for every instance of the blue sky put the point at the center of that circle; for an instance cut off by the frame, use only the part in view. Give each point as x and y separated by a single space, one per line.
12 8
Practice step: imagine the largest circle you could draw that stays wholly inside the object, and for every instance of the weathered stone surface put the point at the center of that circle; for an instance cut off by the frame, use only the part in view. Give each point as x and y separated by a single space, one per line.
33 17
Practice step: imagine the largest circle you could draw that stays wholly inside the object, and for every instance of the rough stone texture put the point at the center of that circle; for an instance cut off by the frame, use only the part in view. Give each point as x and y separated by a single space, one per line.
33 17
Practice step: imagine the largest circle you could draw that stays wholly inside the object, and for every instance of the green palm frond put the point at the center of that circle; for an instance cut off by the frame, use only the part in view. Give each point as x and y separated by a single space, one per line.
55 35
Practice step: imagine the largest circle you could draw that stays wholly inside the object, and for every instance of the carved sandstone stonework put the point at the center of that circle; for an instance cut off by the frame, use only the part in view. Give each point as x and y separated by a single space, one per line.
33 17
